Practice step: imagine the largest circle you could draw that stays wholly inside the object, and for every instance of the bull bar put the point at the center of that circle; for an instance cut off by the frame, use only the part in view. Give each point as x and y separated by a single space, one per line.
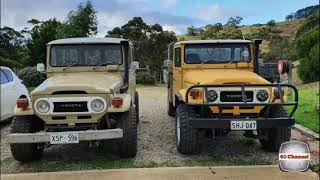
262 122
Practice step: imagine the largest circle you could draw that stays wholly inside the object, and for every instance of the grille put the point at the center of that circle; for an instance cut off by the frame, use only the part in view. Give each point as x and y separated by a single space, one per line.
235 96
70 106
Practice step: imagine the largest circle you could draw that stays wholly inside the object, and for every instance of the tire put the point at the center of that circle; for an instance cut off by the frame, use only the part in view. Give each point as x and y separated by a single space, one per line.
275 136
128 143
186 136
136 101
170 108
26 152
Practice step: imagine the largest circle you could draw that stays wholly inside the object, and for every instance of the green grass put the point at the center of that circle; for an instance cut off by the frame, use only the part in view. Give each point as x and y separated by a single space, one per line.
307 113
7 160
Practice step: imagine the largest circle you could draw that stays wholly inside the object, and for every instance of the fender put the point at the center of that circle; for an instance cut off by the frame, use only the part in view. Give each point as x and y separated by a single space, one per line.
127 101
178 98
24 112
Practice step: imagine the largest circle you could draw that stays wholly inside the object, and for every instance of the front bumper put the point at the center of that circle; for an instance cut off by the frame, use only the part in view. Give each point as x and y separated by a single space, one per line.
44 137
244 102
225 123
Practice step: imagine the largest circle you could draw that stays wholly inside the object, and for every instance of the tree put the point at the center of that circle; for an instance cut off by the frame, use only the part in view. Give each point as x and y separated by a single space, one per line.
308 68
230 33
211 31
150 42
305 12
41 33
191 31
280 48
262 32
271 23
310 23
234 22
289 17
307 48
12 48
81 23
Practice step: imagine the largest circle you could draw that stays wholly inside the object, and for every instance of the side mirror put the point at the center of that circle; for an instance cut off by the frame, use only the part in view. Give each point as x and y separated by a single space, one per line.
134 65
166 63
40 67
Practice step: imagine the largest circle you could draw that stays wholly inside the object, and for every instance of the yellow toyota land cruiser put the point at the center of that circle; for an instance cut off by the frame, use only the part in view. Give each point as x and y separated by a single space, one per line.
214 86
89 95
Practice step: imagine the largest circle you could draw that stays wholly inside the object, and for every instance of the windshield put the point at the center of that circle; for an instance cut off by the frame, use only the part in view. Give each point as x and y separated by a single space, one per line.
216 53
85 55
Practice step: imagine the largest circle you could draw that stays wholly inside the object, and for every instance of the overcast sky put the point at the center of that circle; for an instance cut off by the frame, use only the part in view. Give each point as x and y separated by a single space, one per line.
174 15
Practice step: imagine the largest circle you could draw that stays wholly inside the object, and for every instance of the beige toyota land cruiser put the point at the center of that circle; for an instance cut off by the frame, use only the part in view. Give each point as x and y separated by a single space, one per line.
89 95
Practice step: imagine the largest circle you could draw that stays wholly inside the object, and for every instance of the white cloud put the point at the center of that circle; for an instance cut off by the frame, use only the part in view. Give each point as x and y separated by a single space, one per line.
215 12
110 14
16 13
175 29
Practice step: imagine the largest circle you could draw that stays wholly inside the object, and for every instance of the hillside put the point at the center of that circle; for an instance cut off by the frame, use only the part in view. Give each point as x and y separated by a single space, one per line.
285 29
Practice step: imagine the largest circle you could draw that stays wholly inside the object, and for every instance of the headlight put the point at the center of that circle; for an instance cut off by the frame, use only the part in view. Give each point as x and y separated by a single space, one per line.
43 106
97 105
262 95
212 96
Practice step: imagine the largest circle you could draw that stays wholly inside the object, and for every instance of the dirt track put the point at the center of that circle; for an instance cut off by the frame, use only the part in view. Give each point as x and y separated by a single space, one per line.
156 145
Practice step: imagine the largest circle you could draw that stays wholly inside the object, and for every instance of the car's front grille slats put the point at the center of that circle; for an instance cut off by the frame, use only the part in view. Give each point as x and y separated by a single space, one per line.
79 106
235 96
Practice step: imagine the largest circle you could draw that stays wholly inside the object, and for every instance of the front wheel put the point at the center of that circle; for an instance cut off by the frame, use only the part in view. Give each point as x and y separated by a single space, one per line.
26 152
186 136
128 143
274 137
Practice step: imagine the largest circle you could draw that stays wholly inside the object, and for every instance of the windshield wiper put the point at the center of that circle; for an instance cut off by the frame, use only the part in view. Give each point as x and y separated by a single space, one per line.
71 65
204 62
99 65
231 61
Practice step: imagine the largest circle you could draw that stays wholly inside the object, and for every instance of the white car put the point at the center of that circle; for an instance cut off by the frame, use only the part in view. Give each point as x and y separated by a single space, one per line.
11 89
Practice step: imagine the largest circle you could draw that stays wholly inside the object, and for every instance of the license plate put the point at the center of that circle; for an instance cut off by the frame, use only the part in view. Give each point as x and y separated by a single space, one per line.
243 125
64 138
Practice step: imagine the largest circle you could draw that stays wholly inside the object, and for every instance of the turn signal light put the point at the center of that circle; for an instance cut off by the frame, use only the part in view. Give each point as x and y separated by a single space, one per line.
194 93
117 101
23 103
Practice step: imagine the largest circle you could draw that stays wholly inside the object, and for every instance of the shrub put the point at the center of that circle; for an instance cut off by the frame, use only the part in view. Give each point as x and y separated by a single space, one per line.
31 77
307 48
271 23
144 77
308 68
305 41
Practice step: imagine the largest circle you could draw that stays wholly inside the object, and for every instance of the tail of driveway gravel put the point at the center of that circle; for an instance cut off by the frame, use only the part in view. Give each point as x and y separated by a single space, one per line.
166 173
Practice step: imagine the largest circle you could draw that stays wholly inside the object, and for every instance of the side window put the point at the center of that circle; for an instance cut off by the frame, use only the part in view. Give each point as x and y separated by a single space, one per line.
8 74
177 58
4 79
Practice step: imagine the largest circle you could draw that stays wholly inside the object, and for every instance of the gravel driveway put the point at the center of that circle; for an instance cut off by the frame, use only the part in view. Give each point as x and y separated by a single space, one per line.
156 144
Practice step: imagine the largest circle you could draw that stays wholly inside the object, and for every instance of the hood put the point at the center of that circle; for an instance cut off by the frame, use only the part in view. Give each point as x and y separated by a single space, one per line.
90 82
222 76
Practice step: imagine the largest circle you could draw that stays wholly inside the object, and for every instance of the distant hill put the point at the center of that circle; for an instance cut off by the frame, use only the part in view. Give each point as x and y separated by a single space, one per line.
285 28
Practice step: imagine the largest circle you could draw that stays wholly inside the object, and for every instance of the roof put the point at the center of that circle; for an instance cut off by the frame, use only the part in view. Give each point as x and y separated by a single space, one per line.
213 41
90 40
